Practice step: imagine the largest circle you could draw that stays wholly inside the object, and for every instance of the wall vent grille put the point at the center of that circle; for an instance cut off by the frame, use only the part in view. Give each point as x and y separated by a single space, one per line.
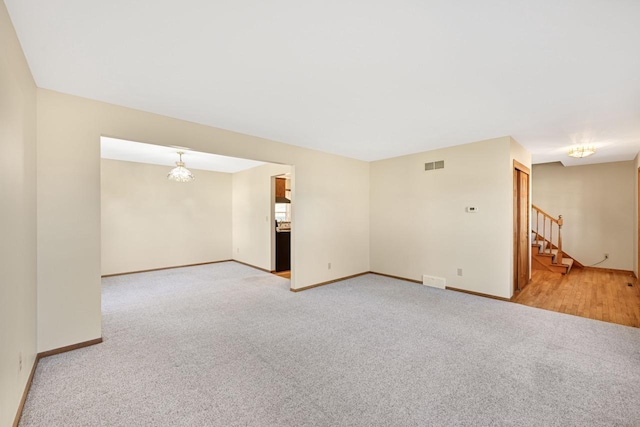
434 165
434 281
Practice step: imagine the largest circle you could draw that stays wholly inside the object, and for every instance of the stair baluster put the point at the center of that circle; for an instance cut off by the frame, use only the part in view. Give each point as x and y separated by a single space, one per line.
546 241
545 234
559 255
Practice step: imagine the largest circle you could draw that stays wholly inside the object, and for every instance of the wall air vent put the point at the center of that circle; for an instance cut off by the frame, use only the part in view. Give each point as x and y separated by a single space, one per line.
434 165
434 282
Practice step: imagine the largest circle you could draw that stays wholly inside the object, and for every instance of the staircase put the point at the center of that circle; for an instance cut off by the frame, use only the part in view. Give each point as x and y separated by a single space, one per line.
546 243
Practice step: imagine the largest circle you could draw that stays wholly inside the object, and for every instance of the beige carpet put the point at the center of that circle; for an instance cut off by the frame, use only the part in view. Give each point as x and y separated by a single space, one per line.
228 345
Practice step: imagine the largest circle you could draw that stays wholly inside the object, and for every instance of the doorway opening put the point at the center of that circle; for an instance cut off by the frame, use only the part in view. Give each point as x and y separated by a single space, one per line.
150 222
281 236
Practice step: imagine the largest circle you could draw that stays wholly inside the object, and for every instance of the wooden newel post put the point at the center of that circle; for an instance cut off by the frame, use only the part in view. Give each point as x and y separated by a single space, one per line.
559 256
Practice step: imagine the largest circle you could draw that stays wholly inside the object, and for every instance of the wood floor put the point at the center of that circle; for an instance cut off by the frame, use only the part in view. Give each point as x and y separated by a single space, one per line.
285 274
596 294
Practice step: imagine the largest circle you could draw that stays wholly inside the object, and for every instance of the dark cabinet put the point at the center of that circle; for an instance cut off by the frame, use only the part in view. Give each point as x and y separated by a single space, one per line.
283 251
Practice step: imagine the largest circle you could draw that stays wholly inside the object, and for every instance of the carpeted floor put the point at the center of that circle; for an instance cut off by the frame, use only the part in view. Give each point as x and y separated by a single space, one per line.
228 345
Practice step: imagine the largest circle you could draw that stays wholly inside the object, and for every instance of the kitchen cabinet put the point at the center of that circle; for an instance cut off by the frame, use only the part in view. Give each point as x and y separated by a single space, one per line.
281 187
281 191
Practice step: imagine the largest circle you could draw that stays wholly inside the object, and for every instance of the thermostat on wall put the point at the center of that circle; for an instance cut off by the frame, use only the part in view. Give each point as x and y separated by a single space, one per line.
472 209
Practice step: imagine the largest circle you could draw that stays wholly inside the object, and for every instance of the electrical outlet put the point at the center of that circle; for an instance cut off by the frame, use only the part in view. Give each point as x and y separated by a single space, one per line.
606 256
20 361
329 266
459 272
237 250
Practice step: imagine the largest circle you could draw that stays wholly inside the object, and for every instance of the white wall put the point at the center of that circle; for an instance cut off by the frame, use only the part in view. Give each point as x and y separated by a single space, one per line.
17 220
331 204
419 224
150 222
597 205
253 219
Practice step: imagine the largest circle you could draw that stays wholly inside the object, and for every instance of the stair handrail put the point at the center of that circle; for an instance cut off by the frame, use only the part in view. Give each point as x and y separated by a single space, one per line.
551 220
559 219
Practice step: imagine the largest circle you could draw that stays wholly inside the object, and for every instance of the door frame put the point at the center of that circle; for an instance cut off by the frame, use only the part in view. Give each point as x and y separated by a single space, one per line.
519 167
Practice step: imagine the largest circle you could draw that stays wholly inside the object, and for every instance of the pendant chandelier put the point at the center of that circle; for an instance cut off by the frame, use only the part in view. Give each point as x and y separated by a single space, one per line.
180 173
582 151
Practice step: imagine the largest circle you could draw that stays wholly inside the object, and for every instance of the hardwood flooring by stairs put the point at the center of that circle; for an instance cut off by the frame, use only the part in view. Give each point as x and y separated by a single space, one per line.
596 294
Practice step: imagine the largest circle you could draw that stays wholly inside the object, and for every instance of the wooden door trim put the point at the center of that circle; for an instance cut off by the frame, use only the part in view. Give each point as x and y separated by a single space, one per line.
514 279
521 167
517 166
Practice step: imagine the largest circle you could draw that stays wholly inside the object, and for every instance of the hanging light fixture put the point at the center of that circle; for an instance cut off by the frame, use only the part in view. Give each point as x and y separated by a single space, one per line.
582 151
180 173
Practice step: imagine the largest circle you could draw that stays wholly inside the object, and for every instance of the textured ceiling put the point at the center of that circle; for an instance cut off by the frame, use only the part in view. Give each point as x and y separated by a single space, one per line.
364 79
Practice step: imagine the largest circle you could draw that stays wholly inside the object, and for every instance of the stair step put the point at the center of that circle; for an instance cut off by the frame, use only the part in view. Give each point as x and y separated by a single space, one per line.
546 258
541 245
568 262
565 261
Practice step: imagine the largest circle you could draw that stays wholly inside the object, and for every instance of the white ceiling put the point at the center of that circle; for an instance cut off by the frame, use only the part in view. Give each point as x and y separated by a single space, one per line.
364 79
119 149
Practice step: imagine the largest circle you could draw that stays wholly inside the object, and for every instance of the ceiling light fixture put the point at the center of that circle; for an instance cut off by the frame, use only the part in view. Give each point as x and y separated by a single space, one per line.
180 173
582 151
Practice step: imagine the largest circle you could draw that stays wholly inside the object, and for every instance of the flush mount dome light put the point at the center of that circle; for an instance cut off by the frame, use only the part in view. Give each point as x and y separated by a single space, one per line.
582 151
180 173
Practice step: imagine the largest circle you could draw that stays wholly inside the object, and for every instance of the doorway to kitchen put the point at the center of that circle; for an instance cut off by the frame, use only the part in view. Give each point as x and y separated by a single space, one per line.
281 241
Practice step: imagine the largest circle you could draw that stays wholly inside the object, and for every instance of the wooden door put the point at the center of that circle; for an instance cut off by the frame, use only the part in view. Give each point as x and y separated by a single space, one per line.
522 231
